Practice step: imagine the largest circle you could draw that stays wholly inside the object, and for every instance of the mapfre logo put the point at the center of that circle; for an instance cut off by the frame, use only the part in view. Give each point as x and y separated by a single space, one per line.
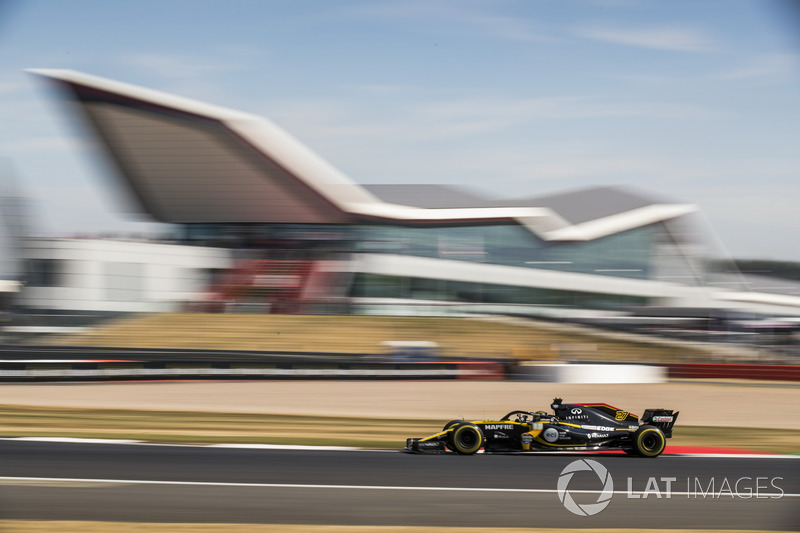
603 499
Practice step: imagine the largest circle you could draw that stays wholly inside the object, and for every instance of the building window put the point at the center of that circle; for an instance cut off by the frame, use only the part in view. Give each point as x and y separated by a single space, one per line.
44 272
398 287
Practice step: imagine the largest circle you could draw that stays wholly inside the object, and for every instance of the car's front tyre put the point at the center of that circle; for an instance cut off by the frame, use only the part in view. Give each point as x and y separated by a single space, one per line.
451 424
466 438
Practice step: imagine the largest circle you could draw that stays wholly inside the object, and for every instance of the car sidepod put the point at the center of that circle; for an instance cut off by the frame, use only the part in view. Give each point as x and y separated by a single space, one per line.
508 435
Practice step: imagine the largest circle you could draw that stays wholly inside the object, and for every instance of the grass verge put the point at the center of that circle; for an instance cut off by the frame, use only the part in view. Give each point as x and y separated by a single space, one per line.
209 428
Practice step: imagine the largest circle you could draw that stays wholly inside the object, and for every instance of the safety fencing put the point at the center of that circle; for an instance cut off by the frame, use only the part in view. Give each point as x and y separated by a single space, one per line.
733 371
27 371
41 364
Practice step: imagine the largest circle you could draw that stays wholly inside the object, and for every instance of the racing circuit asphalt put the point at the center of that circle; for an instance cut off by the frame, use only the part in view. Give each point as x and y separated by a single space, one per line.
116 482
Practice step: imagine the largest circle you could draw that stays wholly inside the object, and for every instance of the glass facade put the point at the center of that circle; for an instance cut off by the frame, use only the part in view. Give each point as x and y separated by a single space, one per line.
652 252
44 272
298 238
663 251
418 288
627 254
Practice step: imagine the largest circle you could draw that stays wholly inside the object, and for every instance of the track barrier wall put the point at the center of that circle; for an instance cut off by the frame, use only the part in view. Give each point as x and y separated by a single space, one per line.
109 364
734 371
590 373
124 371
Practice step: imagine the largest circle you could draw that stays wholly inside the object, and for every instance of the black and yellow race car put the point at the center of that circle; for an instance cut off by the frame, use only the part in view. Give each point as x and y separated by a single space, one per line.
571 427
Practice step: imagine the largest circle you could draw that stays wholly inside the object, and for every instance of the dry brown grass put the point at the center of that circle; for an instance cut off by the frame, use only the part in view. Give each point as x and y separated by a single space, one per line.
364 334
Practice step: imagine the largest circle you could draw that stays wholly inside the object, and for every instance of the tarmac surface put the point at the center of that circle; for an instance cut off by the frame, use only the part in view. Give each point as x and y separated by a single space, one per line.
115 482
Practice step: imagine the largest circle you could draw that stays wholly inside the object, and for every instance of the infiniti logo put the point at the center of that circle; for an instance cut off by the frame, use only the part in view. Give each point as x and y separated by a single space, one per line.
576 411
587 509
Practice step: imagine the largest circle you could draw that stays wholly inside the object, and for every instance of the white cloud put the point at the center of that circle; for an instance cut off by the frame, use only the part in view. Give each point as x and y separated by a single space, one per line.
470 14
79 207
436 120
172 66
199 77
385 89
518 110
615 3
13 87
665 38
407 9
49 144
753 223
582 167
763 66
507 28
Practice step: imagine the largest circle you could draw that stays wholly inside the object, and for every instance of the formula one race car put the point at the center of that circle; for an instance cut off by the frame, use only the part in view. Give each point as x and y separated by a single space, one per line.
574 426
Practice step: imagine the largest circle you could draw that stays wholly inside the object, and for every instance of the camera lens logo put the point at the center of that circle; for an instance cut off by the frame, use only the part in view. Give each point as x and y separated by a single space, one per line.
587 509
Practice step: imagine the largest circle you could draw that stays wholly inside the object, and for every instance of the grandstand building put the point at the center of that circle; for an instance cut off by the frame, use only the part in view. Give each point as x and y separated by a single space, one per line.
301 232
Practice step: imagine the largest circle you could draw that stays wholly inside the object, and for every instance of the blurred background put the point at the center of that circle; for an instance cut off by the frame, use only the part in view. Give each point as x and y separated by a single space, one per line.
619 166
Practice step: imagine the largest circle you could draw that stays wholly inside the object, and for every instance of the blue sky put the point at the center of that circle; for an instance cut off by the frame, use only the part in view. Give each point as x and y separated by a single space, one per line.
695 101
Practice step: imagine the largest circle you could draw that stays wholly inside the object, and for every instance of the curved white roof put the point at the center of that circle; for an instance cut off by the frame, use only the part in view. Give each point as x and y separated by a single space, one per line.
191 162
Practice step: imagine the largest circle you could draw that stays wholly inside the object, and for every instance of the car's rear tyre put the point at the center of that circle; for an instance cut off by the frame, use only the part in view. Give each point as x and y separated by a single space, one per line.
466 438
649 441
451 424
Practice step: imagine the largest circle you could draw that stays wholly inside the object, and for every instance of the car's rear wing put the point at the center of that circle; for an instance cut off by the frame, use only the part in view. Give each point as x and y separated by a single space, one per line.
663 419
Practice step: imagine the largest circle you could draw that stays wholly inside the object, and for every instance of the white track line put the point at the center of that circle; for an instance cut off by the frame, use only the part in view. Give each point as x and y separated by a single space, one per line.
734 455
77 440
771 495
287 447
74 440
301 447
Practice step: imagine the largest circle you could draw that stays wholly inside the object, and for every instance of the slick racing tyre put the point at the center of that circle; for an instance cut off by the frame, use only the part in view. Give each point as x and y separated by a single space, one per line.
451 424
649 441
466 438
